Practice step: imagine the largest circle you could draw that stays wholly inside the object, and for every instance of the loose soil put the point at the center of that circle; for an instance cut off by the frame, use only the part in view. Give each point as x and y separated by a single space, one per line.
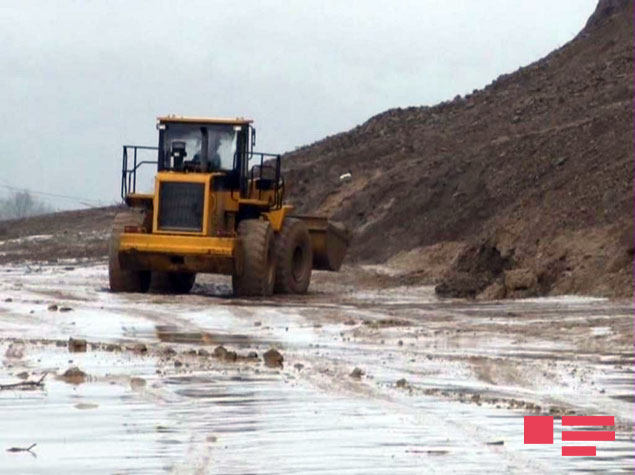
536 167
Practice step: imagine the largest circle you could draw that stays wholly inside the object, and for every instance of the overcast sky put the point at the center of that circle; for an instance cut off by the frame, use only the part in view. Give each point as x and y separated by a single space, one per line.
80 78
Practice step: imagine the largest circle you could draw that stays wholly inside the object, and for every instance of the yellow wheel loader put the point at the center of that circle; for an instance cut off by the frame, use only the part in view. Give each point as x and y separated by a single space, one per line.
217 207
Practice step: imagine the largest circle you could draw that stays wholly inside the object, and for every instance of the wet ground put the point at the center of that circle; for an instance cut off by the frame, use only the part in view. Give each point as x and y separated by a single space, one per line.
440 386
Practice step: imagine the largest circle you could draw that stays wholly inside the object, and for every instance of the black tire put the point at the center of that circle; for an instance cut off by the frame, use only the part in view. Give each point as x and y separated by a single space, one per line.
125 280
258 261
172 282
294 258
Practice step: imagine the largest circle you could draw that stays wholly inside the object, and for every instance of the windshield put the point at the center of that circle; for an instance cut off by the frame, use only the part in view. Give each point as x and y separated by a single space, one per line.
199 147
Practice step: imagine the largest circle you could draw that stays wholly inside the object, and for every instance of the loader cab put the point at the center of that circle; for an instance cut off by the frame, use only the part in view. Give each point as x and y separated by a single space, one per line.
220 146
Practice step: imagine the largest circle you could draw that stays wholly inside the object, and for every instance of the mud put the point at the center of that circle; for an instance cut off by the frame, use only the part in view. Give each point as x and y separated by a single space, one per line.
373 380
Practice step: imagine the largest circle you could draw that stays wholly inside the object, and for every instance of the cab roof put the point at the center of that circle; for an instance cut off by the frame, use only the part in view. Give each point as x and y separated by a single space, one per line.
204 120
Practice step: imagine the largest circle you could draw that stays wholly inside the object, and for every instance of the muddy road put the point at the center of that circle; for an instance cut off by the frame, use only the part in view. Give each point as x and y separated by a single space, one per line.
381 381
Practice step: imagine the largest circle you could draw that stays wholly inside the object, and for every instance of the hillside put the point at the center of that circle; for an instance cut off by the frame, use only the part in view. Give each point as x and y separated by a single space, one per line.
533 172
522 188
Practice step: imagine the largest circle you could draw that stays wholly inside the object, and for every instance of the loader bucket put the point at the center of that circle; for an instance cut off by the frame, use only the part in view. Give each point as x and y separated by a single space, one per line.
329 242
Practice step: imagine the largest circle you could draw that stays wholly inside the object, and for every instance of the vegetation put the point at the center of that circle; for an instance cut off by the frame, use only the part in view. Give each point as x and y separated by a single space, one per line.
21 204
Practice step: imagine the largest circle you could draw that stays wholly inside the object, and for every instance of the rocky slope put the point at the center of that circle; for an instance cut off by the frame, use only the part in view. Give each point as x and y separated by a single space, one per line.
532 174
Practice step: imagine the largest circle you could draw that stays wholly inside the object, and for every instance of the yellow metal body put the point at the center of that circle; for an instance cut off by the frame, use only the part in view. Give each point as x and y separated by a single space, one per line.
213 249
216 247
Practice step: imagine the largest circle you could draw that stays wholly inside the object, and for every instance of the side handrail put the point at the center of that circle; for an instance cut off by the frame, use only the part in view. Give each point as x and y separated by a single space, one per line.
129 175
278 187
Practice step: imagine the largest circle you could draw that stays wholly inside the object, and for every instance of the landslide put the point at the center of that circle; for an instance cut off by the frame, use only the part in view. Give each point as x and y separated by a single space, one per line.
531 174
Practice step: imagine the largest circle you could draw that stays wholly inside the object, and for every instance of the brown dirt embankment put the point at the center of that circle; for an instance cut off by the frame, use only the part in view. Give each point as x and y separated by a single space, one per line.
79 234
532 173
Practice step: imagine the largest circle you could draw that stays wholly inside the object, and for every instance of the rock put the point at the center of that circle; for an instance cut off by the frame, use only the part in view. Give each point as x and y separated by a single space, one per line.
15 350
357 373
66 309
273 358
137 383
252 355
298 366
520 279
495 291
52 308
8 300
257 324
177 364
74 375
220 352
140 348
231 356
402 383
461 284
23 375
169 351
203 352
77 345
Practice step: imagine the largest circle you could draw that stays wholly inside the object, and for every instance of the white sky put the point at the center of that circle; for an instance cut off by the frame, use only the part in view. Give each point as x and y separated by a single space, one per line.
80 78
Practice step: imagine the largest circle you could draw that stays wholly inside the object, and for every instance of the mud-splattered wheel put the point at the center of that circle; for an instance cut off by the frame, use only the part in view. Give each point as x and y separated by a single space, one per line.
172 282
294 258
258 269
123 280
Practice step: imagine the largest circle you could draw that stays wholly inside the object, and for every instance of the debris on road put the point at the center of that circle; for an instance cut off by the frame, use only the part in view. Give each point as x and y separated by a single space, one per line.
273 358
77 345
22 449
357 373
25 384
74 375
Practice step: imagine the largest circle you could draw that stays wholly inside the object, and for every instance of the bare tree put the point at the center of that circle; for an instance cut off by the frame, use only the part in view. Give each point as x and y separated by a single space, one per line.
21 204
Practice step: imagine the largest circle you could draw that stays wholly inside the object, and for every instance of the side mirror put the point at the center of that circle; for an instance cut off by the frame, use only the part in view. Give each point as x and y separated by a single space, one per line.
253 138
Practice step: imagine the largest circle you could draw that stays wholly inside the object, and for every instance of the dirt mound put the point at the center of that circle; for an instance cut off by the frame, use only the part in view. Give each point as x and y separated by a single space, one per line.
537 165
67 235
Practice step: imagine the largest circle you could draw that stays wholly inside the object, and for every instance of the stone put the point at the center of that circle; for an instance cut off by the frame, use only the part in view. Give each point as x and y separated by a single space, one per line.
220 352
520 279
273 358
495 291
77 345
140 348
74 375
357 373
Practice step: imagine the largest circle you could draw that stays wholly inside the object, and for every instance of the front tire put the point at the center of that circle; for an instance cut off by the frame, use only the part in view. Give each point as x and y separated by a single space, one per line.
294 258
258 269
123 280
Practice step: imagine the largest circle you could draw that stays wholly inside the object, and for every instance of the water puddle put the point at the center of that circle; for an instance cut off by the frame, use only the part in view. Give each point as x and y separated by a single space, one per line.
440 387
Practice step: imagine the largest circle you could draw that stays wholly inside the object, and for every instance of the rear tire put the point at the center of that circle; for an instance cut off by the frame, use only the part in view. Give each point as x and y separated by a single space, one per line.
259 262
294 258
172 282
123 280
